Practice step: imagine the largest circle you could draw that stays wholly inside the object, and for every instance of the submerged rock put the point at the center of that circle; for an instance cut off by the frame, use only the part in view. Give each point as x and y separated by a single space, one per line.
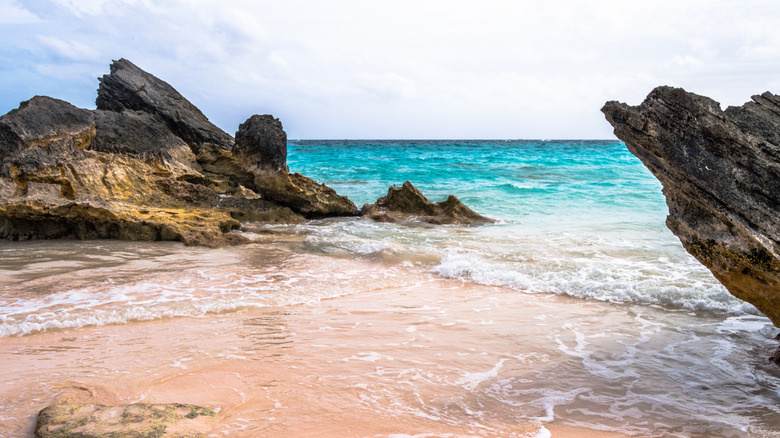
408 203
720 172
146 165
140 420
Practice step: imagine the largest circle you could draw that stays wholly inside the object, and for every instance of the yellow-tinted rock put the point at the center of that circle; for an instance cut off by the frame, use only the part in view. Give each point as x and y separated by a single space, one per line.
140 420
120 171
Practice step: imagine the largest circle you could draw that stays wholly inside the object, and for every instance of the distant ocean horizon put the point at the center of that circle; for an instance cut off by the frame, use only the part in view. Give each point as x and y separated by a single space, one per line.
451 140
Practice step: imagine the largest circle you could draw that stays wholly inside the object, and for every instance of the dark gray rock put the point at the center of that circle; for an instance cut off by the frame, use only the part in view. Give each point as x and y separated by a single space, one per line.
720 172
46 122
407 203
128 87
146 165
263 142
132 132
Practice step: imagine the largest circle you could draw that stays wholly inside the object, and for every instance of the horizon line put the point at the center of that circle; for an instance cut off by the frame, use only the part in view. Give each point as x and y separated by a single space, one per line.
456 139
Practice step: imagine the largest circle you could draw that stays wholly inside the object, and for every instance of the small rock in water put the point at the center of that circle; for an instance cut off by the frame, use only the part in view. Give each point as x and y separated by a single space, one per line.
408 203
140 420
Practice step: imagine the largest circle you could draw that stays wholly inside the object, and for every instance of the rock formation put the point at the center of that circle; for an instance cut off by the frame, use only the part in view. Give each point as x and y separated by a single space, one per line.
87 420
408 203
264 138
720 172
146 165
128 87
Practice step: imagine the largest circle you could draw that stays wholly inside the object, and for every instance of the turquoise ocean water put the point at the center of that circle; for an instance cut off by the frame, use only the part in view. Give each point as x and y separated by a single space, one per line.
621 329
580 218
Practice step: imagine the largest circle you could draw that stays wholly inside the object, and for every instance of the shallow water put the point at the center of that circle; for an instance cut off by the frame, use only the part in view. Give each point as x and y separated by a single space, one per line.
578 309
398 352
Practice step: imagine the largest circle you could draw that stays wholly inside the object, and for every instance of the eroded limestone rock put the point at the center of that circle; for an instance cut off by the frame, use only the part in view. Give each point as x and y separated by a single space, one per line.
408 203
146 165
140 420
720 172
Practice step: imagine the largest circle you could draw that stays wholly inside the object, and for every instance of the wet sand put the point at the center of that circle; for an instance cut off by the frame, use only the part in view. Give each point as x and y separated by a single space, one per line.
414 361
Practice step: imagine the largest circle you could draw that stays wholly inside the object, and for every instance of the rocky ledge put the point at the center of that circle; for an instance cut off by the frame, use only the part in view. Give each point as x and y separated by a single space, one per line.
407 203
146 165
720 172
88 420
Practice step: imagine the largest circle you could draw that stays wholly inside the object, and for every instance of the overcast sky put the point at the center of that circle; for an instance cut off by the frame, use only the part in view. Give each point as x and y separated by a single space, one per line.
398 69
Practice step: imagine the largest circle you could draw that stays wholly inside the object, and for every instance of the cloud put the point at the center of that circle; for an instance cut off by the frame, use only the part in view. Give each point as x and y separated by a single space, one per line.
12 13
387 85
70 50
348 68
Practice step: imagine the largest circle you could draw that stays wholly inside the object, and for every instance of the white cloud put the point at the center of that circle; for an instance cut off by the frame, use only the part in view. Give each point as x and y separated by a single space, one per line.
387 85
348 68
687 61
72 50
12 13
93 8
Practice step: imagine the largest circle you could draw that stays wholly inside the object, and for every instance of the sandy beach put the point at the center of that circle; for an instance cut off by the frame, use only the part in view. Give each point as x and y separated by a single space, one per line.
393 362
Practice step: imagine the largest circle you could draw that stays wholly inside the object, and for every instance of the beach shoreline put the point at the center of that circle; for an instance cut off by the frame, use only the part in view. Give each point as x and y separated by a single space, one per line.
279 371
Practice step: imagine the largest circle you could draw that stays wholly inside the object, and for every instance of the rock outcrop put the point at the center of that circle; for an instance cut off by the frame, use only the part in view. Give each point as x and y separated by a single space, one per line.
407 203
128 87
263 137
146 165
720 172
87 420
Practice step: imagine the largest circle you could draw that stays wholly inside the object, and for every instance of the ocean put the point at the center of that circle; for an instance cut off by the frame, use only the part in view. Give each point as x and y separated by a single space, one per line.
578 308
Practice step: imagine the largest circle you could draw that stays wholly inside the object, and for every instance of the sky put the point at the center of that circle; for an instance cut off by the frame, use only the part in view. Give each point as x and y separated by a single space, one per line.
398 69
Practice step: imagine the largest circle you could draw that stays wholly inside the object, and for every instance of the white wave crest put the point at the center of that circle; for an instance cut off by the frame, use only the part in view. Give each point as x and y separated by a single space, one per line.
688 286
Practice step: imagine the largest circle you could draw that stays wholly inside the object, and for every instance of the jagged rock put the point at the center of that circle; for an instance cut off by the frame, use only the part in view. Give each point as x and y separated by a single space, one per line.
303 195
262 141
408 203
140 420
261 145
133 133
46 122
146 165
85 220
128 87
244 193
775 358
720 172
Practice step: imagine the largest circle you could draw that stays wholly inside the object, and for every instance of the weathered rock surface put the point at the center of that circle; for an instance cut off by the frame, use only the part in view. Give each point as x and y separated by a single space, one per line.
128 87
408 203
140 420
146 165
263 138
720 172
